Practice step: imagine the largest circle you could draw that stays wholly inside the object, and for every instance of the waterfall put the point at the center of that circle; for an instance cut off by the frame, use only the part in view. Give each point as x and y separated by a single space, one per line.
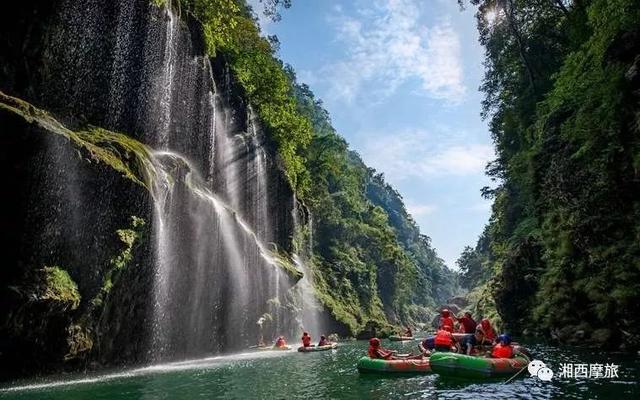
215 275
220 213
209 259
310 314
167 76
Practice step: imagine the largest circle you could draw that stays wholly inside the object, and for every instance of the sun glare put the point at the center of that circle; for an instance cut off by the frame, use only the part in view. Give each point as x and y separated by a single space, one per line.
491 15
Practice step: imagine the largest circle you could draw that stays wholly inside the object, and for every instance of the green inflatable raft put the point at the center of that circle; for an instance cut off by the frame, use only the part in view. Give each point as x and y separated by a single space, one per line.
366 364
396 338
464 366
310 349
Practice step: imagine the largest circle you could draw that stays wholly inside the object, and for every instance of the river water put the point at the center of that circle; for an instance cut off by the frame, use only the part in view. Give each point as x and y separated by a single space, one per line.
328 375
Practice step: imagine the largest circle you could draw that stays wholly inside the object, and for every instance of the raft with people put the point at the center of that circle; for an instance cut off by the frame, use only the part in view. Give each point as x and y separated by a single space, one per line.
308 349
280 344
475 351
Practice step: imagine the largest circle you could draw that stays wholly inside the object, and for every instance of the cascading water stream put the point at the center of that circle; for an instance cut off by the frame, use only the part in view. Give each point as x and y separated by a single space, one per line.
311 308
214 275
198 231
167 77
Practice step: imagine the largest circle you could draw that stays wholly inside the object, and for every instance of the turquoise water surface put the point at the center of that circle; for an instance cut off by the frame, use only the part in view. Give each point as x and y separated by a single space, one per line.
327 375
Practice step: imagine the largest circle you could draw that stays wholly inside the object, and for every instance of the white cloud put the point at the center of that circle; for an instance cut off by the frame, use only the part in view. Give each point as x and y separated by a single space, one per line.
388 45
417 210
418 154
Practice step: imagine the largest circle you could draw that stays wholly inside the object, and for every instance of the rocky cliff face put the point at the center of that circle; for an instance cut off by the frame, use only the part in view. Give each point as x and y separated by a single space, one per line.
171 232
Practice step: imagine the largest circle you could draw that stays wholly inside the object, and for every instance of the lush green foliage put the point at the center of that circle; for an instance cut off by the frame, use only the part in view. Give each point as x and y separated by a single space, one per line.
57 287
434 283
230 29
370 263
128 237
561 91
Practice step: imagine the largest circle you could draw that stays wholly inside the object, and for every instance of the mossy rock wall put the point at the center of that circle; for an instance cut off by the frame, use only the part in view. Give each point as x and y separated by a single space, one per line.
64 209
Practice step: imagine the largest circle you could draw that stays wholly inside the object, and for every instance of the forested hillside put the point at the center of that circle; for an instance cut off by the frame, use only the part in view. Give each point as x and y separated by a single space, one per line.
561 254
372 267
371 262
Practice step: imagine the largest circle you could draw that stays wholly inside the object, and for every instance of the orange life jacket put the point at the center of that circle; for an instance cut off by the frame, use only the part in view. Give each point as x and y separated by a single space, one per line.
443 338
502 351
306 341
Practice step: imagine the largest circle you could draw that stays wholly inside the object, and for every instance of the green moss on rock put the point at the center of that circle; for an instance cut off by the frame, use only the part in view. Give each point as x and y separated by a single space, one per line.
55 286
121 152
128 237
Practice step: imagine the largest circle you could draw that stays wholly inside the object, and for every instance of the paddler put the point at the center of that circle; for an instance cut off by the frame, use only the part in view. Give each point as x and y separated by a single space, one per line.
427 345
504 348
377 351
470 344
445 319
489 334
467 324
280 342
306 339
323 341
444 340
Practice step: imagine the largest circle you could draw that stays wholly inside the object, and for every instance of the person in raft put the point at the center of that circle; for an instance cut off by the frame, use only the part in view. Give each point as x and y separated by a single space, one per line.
470 344
489 334
280 342
306 339
377 351
427 345
444 340
323 341
445 319
503 349
467 324
408 332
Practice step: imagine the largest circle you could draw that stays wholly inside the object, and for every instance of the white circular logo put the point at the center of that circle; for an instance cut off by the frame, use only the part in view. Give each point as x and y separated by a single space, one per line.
534 366
545 374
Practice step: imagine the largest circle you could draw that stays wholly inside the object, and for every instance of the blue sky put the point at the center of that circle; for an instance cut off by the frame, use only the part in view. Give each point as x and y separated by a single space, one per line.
400 80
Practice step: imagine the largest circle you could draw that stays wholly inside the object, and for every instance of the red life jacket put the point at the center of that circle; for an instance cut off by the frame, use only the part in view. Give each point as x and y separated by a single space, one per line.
443 338
446 321
502 351
306 341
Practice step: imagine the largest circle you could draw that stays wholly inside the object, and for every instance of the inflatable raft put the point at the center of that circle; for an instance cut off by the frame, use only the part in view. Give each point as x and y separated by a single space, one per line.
309 349
396 338
464 366
366 364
